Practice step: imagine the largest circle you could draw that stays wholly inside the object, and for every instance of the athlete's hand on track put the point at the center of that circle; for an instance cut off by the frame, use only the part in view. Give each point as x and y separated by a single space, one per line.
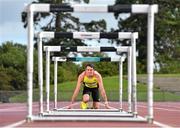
69 106
107 105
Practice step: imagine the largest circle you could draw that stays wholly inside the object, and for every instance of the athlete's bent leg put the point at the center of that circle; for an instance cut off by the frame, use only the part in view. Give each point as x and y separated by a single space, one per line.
85 98
84 103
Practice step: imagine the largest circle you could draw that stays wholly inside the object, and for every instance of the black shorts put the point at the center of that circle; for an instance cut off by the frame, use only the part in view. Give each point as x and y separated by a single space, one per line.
94 92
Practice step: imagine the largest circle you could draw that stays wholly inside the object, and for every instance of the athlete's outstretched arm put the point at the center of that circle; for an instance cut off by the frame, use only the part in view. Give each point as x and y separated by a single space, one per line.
102 90
76 91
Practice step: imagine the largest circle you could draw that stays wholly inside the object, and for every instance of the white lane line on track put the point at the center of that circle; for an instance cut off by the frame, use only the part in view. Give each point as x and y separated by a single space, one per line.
161 125
154 122
169 105
13 109
172 110
157 123
15 124
3 111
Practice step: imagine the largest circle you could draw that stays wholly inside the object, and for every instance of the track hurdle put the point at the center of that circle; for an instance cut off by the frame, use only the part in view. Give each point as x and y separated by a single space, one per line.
90 35
150 10
89 59
50 49
76 114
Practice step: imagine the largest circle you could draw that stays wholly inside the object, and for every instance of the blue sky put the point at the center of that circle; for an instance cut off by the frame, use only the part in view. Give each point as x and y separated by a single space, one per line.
11 27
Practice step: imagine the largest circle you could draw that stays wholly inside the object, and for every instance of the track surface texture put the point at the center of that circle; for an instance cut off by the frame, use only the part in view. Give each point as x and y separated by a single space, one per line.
166 114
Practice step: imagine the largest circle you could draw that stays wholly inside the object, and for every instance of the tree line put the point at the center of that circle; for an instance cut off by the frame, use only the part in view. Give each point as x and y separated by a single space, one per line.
13 69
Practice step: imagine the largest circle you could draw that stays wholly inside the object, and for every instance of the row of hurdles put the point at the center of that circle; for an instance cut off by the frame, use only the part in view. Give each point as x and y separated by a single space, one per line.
119 115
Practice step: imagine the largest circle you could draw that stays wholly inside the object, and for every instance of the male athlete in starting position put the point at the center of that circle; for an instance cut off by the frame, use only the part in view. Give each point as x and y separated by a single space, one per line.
92 82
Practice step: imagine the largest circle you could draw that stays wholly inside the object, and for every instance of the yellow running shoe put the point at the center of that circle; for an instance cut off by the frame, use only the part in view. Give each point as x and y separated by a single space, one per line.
84 105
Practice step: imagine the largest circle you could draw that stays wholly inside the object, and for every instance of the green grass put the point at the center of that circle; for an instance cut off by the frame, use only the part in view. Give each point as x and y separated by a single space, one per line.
65 91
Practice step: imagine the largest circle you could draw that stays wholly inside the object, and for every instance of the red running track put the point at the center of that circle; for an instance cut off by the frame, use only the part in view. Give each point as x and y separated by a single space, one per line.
165 114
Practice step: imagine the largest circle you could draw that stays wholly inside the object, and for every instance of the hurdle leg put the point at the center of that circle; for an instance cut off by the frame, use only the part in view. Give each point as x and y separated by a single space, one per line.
134 78
150 61
30 64
40 75
129 80
55 84
47 79
120 82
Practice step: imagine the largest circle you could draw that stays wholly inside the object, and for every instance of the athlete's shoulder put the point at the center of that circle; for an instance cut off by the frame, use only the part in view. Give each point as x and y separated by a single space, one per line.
97 74
82 74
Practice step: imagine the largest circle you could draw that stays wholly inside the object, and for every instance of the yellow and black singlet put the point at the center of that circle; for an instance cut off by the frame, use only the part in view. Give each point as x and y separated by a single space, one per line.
90 82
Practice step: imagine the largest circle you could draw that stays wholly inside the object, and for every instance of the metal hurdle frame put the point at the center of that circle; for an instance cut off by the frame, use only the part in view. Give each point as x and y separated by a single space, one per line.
150 10
88 59
124 35
111 113
121 59
91 59
88 35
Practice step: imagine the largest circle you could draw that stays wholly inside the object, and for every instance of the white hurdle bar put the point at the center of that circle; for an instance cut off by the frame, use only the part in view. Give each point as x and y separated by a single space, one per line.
85 113
50 49
85 118
85 8
87 110
89 35
86 59
150 10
